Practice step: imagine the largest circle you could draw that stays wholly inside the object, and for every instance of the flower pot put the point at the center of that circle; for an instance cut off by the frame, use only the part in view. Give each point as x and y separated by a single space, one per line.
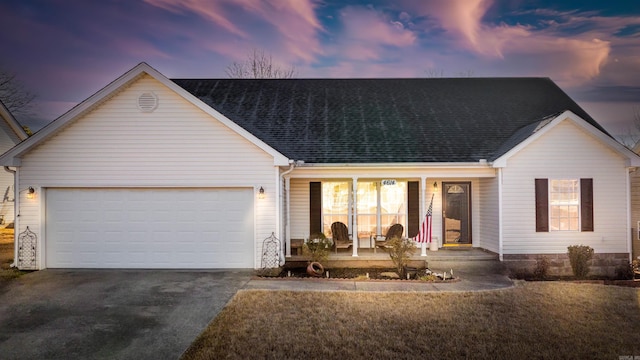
315 269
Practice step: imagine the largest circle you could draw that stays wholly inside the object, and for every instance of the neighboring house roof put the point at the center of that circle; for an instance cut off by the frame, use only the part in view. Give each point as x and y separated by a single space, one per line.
387 120
10 125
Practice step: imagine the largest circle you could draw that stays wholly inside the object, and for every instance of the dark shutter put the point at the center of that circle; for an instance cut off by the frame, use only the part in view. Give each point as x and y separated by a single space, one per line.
542 205
586 204
315 207
413 208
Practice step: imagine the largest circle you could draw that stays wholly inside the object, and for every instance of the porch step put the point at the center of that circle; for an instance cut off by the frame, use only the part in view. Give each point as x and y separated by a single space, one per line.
366 258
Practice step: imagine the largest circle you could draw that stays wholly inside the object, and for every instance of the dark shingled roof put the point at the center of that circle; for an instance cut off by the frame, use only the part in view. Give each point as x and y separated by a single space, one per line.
386 120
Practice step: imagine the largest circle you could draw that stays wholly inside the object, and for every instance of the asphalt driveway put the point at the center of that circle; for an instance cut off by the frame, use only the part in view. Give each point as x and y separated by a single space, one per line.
110 314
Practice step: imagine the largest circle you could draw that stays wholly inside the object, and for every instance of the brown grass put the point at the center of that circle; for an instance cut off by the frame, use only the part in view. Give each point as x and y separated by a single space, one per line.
539 320
6 256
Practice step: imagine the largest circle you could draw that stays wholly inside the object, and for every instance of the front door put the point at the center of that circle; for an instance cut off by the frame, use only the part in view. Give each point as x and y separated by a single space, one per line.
456 213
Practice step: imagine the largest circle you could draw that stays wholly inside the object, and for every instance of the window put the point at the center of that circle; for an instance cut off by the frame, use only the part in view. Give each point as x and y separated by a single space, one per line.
367 208
564 205
393 208
378 206
335 204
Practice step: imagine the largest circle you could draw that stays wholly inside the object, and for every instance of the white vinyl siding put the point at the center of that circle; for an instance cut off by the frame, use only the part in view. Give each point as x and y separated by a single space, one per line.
299 202
8 139
488 224
565 152
177 145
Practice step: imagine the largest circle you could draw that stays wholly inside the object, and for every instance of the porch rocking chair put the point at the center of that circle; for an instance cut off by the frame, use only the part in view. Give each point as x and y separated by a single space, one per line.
340 235
394 231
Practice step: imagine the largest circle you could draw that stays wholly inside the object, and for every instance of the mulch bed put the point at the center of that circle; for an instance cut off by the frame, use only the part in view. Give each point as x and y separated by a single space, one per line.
343 273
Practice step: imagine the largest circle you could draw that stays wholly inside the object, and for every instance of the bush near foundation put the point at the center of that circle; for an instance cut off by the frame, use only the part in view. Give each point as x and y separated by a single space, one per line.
317 247
541 270
400 251
579 257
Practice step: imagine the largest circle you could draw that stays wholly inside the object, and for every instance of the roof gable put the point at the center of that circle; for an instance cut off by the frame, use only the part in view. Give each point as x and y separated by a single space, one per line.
385 120
12 157
528 134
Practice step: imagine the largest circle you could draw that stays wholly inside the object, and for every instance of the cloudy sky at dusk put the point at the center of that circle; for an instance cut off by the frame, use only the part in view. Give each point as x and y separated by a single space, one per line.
65 50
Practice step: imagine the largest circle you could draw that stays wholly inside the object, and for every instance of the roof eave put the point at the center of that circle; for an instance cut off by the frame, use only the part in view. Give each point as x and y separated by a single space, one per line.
460 165
12 122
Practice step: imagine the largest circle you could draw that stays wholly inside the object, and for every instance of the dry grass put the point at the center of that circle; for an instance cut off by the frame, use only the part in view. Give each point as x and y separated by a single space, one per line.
6 256
540 320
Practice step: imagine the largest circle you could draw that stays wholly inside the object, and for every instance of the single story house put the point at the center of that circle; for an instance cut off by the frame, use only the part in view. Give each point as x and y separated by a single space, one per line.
151 172
11 133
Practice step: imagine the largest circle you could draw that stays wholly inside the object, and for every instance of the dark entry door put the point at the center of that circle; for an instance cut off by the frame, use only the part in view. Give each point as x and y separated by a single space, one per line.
456 213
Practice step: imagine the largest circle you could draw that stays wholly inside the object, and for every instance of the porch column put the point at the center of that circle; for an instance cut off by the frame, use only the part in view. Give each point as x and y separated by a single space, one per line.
423 196
354 230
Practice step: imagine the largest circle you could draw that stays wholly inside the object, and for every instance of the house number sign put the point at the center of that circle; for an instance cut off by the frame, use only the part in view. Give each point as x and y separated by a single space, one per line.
388 182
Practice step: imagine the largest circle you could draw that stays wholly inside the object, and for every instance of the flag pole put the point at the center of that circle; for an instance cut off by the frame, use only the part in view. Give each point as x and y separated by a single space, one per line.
423 241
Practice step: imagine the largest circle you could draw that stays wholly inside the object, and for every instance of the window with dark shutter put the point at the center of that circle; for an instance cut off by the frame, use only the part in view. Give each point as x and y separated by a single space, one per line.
542 205
315 207
586 204
413 208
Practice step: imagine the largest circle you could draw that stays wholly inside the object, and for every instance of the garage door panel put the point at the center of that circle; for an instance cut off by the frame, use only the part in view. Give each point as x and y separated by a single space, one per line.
149 228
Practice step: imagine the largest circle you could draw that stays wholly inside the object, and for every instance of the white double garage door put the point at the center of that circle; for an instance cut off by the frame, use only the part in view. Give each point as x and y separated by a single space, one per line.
149 228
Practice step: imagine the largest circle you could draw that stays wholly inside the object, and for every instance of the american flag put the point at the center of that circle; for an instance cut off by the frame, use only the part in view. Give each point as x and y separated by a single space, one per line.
424 236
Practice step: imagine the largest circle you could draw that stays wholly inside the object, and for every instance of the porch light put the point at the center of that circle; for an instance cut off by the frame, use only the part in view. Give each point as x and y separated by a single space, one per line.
261 193
31 193
435 186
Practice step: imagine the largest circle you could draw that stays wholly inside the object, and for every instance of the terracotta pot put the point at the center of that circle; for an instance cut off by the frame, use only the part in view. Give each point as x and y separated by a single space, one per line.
315 269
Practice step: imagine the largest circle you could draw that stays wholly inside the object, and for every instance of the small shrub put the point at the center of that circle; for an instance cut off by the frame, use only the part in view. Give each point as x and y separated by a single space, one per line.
520 274
317 247
579 256
430 277
624 272
541 270
400 251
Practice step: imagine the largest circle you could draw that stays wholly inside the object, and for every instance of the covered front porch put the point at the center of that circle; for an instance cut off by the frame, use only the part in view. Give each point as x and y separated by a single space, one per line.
461 200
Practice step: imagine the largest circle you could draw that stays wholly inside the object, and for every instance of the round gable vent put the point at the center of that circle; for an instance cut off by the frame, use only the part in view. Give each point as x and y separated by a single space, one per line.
147 102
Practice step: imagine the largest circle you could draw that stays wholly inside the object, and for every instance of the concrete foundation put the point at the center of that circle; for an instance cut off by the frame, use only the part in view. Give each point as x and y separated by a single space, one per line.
559 264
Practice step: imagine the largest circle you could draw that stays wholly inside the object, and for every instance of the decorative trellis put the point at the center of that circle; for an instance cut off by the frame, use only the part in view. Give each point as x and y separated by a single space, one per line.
27 249
271 252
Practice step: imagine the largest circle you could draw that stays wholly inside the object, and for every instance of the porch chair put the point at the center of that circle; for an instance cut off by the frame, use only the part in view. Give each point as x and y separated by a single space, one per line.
340 235
395 230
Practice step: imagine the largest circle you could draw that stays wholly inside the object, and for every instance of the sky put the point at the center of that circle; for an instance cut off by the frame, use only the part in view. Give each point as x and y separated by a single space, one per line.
63 51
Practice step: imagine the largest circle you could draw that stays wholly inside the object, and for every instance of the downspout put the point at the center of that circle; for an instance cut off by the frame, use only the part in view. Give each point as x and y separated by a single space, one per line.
629 223
16 215
287 217
500 222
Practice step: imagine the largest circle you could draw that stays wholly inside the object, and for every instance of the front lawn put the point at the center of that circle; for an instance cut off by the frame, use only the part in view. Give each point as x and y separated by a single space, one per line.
534 320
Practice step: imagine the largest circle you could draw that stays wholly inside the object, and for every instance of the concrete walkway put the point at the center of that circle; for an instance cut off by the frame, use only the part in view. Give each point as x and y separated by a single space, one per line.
472 275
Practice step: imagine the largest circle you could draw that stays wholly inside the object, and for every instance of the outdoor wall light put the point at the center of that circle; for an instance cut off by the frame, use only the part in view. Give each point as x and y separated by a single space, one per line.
261 193
31 192
435 186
